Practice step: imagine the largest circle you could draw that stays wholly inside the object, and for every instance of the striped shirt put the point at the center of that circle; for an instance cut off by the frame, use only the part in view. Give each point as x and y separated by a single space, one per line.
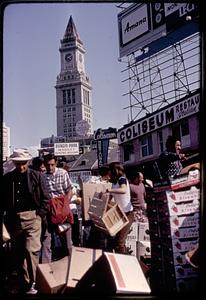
58 183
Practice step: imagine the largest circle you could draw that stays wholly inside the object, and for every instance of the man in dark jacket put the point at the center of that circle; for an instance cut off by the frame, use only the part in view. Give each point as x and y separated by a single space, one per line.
25 205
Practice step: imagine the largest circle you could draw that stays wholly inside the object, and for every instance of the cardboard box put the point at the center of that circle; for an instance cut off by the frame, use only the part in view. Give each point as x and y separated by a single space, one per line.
88 190
185 271
133 233
177 233
173 209
51 277
184 196
81 260
108 217
187 285
179 259
144 232
180 182
177 245
184 221
186 180
114 274
143 249
180 271
183 233
131 246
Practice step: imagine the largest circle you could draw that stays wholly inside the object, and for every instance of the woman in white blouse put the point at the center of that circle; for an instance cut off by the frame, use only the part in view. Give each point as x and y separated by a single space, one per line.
121 193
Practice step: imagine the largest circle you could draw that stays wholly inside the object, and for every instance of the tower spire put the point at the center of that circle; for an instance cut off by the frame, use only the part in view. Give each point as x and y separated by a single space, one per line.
71 31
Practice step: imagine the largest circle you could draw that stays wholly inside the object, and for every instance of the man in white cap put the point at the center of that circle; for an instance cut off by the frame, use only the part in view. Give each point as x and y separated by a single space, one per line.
25 205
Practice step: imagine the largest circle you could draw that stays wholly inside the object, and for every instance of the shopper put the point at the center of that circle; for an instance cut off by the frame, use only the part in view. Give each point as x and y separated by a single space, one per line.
46 238
38 164
120 191
170 160
97 238
58 184
25 202
105 173
75 208
138 195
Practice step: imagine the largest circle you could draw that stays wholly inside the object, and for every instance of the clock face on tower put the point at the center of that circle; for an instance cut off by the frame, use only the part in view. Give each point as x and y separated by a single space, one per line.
68 57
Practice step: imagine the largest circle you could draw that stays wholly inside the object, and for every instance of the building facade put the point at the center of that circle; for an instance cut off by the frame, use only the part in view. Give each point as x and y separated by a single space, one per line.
73 87
161 43
142 141
6 142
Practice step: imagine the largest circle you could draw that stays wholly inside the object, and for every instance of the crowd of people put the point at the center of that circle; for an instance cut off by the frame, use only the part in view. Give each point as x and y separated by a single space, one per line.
29 188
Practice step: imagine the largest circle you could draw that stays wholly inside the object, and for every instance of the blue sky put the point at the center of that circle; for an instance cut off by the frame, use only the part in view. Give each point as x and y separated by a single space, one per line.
31 63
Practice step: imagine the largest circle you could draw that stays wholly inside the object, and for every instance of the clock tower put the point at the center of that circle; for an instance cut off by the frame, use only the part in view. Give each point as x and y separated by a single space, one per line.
73 88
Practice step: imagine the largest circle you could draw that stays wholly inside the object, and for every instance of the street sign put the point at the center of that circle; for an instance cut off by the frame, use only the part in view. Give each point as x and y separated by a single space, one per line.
104 134
62 149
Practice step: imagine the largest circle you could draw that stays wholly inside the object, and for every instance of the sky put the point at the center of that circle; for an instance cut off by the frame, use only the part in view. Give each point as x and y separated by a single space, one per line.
31 63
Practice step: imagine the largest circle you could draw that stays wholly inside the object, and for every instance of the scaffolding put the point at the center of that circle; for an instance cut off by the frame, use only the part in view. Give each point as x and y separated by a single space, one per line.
162 78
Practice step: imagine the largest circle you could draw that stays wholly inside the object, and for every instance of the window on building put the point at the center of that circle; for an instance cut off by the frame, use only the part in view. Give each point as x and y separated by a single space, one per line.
73 96
69 96
86 97
181 131
146 145
161 142
128 151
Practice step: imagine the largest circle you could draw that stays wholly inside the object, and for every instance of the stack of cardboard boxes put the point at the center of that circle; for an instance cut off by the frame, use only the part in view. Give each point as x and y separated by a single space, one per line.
90 271
138 241
173 213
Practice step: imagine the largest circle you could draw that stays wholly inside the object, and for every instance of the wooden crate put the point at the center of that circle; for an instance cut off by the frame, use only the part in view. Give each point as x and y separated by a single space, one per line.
88 190
98 204
107 215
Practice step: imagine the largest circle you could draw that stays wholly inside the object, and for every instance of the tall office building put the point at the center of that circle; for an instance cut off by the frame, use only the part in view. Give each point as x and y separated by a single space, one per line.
6 142
73 88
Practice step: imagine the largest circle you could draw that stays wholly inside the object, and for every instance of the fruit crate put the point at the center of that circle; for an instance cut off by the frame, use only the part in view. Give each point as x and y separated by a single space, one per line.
106 214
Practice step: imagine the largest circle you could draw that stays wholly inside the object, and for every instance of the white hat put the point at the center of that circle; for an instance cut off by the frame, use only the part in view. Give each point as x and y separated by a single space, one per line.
21 154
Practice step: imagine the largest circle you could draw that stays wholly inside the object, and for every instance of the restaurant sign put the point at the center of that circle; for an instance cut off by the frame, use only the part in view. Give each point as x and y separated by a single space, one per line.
169 115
